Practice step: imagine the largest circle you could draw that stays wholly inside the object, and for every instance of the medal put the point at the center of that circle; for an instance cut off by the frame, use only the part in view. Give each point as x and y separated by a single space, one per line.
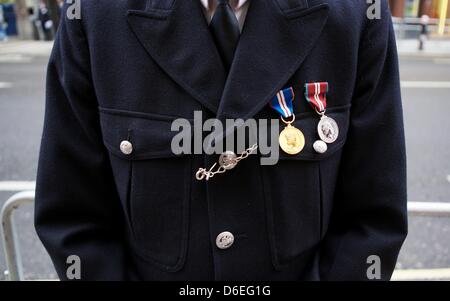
291 139
327 128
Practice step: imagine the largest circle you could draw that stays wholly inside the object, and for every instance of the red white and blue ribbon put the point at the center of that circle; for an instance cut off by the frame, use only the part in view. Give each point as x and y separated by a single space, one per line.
282 102
316 95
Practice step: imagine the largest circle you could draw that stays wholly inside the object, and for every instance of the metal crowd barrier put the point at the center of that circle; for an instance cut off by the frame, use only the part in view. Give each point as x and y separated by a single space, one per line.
11 247
10 241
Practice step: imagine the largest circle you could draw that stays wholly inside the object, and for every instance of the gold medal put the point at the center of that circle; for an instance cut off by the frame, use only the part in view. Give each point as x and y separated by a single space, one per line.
292 140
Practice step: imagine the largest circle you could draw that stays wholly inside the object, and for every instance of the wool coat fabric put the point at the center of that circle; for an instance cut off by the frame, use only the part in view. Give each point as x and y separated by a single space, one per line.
126 69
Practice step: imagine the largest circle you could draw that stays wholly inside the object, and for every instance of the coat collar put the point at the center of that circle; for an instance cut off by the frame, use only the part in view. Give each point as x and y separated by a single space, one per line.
179 41
271 49
274 43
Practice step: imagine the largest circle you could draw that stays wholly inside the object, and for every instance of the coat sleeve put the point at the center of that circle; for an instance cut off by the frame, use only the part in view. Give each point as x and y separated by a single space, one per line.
369 215
77 209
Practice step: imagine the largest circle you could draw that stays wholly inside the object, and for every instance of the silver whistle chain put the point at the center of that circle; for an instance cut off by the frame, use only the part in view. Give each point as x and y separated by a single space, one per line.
228 160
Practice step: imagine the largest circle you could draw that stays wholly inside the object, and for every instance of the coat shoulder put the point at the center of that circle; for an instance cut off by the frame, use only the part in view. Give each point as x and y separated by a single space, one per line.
357 18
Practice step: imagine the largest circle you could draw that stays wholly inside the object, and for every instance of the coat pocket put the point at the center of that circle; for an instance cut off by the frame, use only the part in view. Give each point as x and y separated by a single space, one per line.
293 190
155 184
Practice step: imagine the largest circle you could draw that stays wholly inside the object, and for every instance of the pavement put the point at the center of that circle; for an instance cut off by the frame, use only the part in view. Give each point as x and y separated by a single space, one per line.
22 76
426 92
432 48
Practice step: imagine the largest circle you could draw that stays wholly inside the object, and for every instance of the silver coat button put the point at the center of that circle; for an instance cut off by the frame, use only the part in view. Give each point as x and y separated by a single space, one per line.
224 240
320 146
126 147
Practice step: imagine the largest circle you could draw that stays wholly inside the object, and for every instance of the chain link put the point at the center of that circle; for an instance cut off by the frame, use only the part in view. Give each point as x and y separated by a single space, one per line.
204 174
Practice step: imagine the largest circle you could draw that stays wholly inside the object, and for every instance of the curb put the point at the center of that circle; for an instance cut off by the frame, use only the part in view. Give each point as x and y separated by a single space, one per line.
421 275
423 55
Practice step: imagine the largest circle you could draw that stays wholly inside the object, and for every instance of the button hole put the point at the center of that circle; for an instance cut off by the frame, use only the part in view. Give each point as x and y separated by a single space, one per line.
241 235
129 134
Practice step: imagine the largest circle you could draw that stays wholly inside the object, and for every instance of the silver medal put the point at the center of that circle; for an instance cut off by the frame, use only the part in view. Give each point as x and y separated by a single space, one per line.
328 129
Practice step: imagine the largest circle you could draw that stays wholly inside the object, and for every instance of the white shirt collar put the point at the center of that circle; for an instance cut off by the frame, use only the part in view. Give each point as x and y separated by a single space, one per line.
237 6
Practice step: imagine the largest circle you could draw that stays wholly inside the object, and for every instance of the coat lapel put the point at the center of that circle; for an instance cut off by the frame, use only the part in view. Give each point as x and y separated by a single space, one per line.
272 47
179 41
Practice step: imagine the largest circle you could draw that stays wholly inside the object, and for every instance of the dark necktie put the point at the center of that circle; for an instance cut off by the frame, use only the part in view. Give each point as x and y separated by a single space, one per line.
225 30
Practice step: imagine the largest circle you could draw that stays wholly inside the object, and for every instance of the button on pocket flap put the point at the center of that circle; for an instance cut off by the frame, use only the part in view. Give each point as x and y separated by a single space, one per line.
308 124
137 136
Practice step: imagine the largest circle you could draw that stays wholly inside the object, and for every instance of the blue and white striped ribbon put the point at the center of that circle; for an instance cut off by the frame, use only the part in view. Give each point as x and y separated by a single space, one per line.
282 102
